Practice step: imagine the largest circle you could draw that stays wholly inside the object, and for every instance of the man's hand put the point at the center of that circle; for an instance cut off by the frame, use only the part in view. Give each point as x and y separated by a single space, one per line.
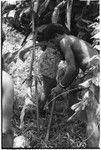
57 90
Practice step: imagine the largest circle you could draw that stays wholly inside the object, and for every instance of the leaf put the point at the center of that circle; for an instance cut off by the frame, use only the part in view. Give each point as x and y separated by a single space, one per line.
96 36
40 29
86 84
7 8
55 15
97 18
36 5
86 95
28 101
81 105
24 49
24 11
21 142
43 7
56 12
95 57
22 116
68 14
98 114
93 25
11 13
75 106
96 80
74 116
28 92
98 47
95 32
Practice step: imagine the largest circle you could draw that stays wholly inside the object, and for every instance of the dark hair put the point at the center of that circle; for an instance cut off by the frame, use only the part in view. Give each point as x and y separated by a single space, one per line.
51 31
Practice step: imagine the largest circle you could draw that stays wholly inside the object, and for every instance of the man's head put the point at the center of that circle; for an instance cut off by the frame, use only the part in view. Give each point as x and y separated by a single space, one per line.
51 31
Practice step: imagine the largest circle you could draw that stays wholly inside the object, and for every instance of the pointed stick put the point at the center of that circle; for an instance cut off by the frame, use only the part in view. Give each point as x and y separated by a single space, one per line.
50 120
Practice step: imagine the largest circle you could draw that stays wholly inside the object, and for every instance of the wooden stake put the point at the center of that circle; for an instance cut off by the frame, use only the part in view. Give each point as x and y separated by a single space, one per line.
50 120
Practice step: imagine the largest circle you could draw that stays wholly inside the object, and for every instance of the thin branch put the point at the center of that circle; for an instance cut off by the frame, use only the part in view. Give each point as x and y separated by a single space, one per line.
50 120
52 110
89 136
72 90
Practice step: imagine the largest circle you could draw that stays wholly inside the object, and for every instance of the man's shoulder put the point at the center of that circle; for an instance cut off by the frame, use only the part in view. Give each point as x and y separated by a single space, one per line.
68 39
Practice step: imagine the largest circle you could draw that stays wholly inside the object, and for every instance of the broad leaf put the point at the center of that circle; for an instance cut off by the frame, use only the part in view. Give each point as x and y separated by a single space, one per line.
21 142
55 15
68 14
56 12
86 84
43 7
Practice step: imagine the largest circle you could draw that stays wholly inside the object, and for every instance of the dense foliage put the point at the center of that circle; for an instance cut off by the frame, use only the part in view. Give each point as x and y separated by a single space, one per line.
18 15
17 25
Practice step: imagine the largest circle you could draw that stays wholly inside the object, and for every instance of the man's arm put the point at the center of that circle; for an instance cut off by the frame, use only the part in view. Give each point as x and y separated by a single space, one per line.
72 69
82 53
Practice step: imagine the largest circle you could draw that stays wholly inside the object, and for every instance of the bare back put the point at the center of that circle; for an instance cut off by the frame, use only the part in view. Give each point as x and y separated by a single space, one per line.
82 50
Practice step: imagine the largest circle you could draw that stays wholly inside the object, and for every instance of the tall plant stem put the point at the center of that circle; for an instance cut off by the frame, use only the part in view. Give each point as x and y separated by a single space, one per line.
32 60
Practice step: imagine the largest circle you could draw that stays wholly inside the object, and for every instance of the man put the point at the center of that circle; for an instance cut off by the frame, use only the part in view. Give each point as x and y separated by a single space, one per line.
7 107
61 46
76 53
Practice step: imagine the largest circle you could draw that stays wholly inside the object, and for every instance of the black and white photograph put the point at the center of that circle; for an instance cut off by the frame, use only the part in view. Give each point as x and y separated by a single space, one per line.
50 74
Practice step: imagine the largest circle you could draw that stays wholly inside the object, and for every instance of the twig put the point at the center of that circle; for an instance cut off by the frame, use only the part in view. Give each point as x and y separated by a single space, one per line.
88 136
36 92
50 120
53 104
73 116
72 90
